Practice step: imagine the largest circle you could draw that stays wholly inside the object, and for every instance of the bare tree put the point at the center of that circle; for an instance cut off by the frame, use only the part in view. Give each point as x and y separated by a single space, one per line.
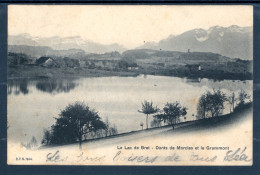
107 123
30 145
231 100
202 106
33 142
242 97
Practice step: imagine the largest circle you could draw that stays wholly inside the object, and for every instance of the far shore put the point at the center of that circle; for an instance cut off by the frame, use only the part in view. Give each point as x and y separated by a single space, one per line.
32 72
43 72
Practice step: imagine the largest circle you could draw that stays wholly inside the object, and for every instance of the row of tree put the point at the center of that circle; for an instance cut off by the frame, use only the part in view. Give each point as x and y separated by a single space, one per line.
211 104
77 121
171 112
32 144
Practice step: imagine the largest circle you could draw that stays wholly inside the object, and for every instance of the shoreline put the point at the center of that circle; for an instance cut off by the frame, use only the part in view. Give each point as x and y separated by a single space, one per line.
35 72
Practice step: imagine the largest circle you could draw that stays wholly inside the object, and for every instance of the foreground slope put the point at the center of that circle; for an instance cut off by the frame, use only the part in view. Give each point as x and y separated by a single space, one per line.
212 138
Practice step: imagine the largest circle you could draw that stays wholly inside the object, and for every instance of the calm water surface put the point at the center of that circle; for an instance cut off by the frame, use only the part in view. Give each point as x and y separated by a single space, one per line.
33 104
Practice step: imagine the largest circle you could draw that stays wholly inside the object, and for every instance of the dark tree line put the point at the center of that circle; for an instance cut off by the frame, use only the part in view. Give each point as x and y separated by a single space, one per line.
212 104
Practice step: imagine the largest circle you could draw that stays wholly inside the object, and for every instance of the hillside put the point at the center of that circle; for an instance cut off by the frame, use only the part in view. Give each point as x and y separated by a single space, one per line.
177 57
131 62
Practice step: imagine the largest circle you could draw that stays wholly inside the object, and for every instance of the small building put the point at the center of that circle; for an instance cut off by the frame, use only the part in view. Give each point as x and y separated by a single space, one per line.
132 68
45 61
194 67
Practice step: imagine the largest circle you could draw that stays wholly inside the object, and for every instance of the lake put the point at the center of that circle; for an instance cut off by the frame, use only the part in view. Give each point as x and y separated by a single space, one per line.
33 104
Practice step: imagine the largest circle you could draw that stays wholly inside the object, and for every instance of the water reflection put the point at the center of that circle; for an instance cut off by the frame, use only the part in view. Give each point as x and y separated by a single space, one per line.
233 85
55 86
52 86
192 80
17 86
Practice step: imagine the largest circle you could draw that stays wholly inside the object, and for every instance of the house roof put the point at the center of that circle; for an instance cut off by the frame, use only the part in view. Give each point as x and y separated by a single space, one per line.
42 60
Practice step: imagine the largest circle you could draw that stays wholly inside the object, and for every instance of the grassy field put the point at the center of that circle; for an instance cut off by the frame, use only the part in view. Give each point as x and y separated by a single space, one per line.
44 72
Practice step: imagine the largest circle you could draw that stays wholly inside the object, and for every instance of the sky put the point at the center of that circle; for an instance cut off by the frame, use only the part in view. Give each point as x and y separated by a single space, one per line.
129 26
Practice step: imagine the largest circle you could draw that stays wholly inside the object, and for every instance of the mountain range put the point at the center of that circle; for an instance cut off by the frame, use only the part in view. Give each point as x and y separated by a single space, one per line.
38 51
233 42
59 43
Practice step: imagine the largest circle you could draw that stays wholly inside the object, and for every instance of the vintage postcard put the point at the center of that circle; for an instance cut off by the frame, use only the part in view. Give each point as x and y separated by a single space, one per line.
130 85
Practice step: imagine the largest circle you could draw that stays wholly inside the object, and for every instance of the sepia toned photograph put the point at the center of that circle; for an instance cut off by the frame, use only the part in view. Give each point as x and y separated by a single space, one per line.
134 85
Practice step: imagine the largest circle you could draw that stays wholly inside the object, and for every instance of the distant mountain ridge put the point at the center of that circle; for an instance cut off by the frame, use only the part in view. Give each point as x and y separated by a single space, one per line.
58 43
233 41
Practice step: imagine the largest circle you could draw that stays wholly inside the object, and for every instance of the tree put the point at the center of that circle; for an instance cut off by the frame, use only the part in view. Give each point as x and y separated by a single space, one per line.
155 123
16 59
202 105
75 121
161 117
147 108
113 130
30 145
33 142
46 137
211 104
173 112
110 130
231 100
242 97
107 123
215 102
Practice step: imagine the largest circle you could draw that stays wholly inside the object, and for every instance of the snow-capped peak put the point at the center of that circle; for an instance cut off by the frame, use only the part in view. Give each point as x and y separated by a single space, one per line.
74 39
201 35
235 28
